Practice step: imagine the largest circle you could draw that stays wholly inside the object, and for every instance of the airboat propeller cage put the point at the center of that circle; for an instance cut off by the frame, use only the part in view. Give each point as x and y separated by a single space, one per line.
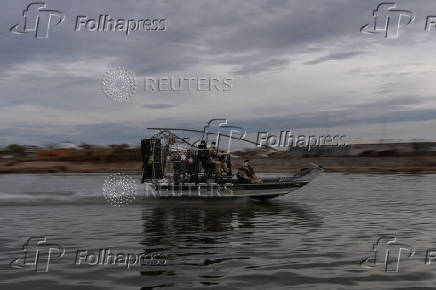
170 160
167 156
165 146
165 152
203 133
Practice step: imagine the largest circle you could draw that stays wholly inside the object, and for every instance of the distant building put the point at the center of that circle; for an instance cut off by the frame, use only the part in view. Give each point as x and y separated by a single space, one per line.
66 146
30 150
321 151
5 157
425 148
370 150
383 149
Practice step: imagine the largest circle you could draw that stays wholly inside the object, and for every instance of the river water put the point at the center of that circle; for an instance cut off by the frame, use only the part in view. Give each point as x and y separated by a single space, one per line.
313 238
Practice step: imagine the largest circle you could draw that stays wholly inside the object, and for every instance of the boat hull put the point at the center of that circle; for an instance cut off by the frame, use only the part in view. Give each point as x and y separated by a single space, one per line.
269 189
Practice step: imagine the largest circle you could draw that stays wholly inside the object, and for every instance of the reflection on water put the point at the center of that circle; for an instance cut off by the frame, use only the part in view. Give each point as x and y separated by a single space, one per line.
172 221
205 239
314 238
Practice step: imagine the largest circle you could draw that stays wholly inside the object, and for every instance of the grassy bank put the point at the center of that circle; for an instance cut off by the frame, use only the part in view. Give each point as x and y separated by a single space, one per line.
406 164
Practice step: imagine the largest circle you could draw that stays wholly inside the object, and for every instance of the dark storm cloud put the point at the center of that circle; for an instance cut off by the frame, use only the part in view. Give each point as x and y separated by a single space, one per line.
377 112
334 119
391 103
261 66
108 133
248 36
114 133
334 56
158 106
256 33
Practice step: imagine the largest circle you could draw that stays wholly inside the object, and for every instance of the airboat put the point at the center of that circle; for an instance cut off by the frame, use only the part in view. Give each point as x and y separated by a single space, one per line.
175 166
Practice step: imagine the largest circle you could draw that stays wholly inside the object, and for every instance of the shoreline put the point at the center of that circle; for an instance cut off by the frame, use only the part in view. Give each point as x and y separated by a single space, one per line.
404 164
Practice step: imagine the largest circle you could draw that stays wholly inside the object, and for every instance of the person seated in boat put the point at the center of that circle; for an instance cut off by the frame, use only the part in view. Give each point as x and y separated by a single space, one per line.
227 163
216 161
192 166
202 145
246 174
203 156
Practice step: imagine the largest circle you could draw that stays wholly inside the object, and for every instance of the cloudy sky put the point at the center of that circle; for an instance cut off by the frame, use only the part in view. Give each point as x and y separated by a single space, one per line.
298 65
